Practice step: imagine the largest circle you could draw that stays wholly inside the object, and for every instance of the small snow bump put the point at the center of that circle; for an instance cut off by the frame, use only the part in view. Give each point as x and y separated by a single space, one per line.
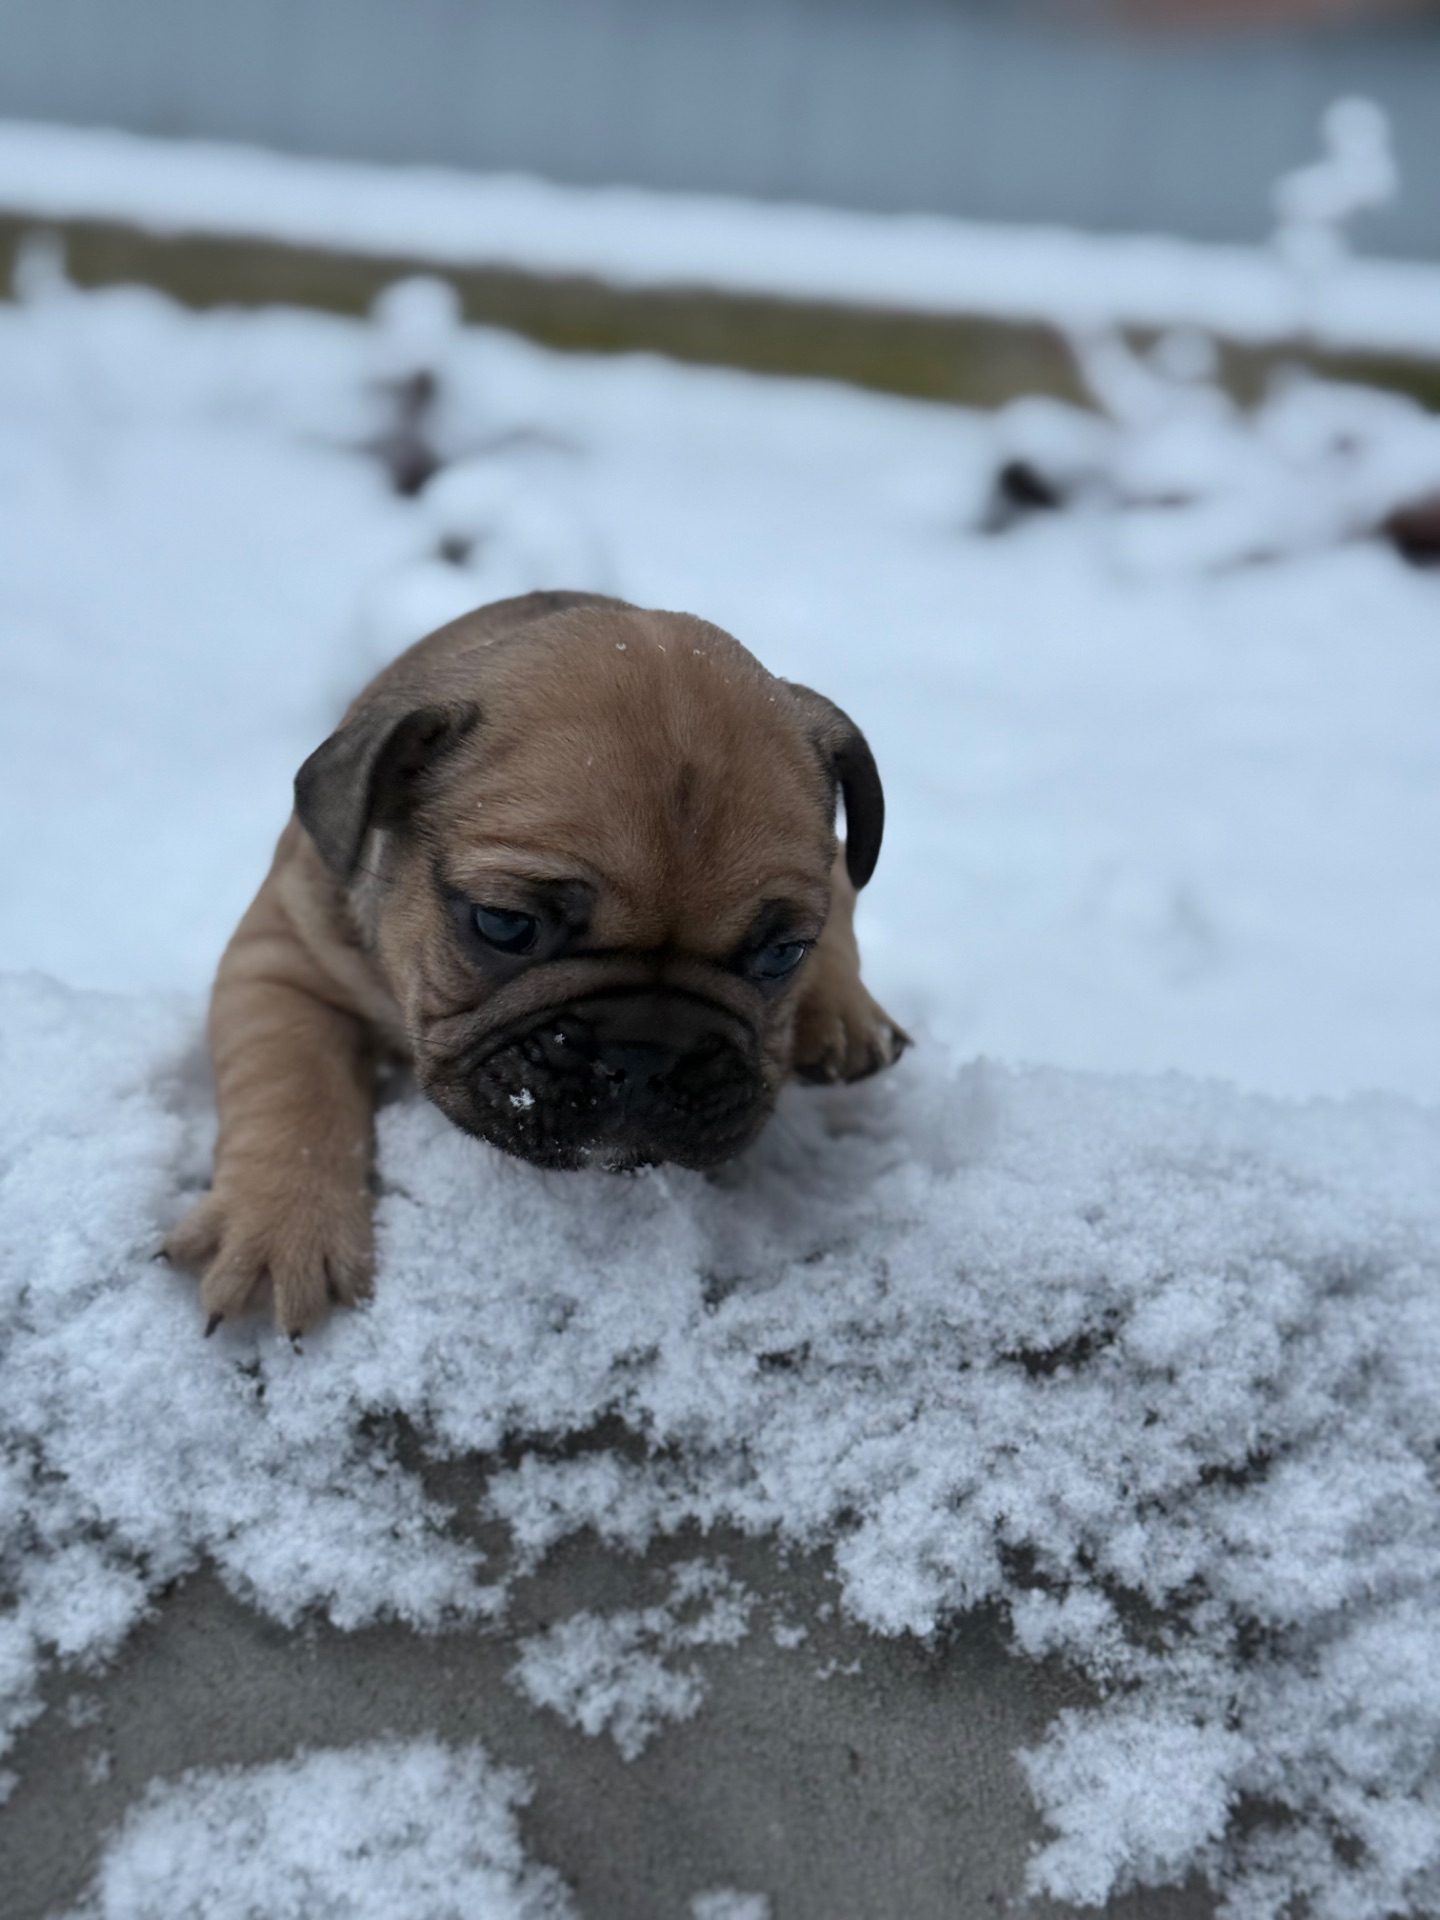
727 1903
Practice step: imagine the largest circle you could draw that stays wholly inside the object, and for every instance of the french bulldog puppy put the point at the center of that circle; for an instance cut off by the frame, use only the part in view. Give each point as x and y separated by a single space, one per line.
577 863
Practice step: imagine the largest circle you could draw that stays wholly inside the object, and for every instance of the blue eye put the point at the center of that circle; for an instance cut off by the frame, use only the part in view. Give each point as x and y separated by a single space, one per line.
775 963
510 932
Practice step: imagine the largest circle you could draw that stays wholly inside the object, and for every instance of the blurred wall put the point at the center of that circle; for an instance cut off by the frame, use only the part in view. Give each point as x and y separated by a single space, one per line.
960 106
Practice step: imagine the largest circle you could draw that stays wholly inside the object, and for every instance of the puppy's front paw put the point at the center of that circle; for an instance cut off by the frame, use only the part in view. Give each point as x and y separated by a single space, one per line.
310 1244
842 1034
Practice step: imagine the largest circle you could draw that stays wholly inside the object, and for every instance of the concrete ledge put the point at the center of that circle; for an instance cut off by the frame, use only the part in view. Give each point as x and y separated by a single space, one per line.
849 1778
977 361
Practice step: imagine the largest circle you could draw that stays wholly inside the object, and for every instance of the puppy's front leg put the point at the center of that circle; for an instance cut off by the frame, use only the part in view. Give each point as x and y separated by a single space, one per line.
840 1032
290 1204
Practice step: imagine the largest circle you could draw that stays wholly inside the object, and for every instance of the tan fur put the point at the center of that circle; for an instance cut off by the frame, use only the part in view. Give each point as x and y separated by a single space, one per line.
645 756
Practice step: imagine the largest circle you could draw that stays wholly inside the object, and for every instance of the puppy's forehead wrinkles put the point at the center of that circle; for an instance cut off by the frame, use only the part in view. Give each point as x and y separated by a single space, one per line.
654 754
482 860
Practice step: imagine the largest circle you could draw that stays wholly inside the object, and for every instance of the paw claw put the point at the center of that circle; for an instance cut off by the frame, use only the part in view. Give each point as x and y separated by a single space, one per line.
847 1038
307 1248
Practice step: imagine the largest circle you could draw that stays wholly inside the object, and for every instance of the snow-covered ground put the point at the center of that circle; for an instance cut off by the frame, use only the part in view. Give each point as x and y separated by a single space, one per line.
1141 817
1149 1362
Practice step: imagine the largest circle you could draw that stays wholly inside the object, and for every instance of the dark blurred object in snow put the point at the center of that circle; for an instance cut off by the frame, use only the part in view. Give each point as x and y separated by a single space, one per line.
1415 531
416 322
406 450
492 516
1021 488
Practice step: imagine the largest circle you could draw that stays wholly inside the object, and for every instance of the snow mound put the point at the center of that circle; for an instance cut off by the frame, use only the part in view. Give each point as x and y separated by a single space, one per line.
1175 475
607 1673
1148 1364
724 1903
362 1834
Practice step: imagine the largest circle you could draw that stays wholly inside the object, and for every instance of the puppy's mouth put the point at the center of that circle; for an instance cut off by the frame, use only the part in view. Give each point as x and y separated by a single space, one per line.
616 1081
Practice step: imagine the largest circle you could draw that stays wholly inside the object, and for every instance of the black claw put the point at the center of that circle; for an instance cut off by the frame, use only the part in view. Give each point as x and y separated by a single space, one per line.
295 1333
212 1323
162 1255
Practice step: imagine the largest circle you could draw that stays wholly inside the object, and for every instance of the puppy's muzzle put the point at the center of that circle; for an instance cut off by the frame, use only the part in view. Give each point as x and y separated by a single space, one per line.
641 1075
621 1080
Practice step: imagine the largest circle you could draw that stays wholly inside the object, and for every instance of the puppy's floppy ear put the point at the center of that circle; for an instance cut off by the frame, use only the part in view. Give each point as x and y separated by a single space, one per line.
847 754
369 773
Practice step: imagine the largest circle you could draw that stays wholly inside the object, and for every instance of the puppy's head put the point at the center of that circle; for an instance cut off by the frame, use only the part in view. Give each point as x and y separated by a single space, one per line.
591 854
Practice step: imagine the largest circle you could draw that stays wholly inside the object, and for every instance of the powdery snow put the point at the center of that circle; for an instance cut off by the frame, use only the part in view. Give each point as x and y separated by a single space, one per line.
724 1903
632 237
608 1673
394 1828
1149 1364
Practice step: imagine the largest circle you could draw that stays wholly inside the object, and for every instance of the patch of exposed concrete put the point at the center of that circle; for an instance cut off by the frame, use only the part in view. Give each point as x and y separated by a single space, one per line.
848 1778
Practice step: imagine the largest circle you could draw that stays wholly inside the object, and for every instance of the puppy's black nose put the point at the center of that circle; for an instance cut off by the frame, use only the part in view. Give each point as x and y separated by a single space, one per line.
634 1066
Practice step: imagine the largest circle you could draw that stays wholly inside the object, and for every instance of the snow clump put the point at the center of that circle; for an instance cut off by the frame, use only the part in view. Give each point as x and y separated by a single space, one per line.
367 1833
607 1673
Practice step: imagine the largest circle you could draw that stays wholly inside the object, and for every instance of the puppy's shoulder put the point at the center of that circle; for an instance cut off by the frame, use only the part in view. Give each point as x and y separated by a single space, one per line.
325 923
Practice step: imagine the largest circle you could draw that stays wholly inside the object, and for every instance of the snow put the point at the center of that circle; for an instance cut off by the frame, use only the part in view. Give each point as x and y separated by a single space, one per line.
1093 1349
1356 171
608 1673
635 238
1143 1359
391 1828
725 1903
1204 483
1143 814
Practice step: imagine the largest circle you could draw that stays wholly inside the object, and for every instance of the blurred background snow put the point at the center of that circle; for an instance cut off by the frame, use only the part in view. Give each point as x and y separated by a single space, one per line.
1163 771
1146 644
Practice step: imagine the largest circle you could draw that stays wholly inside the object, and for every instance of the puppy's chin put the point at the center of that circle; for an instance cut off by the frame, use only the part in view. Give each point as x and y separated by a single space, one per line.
617 1082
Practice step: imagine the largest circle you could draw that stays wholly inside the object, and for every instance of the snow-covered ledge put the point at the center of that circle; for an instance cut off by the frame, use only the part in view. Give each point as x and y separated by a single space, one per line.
1146 1363
636 239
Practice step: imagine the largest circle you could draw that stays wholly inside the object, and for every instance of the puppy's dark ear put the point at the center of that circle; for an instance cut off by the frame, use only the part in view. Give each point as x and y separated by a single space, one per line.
369 774
847 753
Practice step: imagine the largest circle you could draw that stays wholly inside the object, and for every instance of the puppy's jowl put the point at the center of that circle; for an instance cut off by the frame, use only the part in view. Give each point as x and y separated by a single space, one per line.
577 862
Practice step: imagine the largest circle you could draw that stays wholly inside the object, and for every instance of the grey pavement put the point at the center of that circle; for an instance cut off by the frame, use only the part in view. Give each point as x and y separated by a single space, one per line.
886 1792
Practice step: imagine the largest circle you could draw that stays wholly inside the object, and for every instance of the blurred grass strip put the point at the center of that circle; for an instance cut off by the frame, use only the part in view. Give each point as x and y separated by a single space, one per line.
967 361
